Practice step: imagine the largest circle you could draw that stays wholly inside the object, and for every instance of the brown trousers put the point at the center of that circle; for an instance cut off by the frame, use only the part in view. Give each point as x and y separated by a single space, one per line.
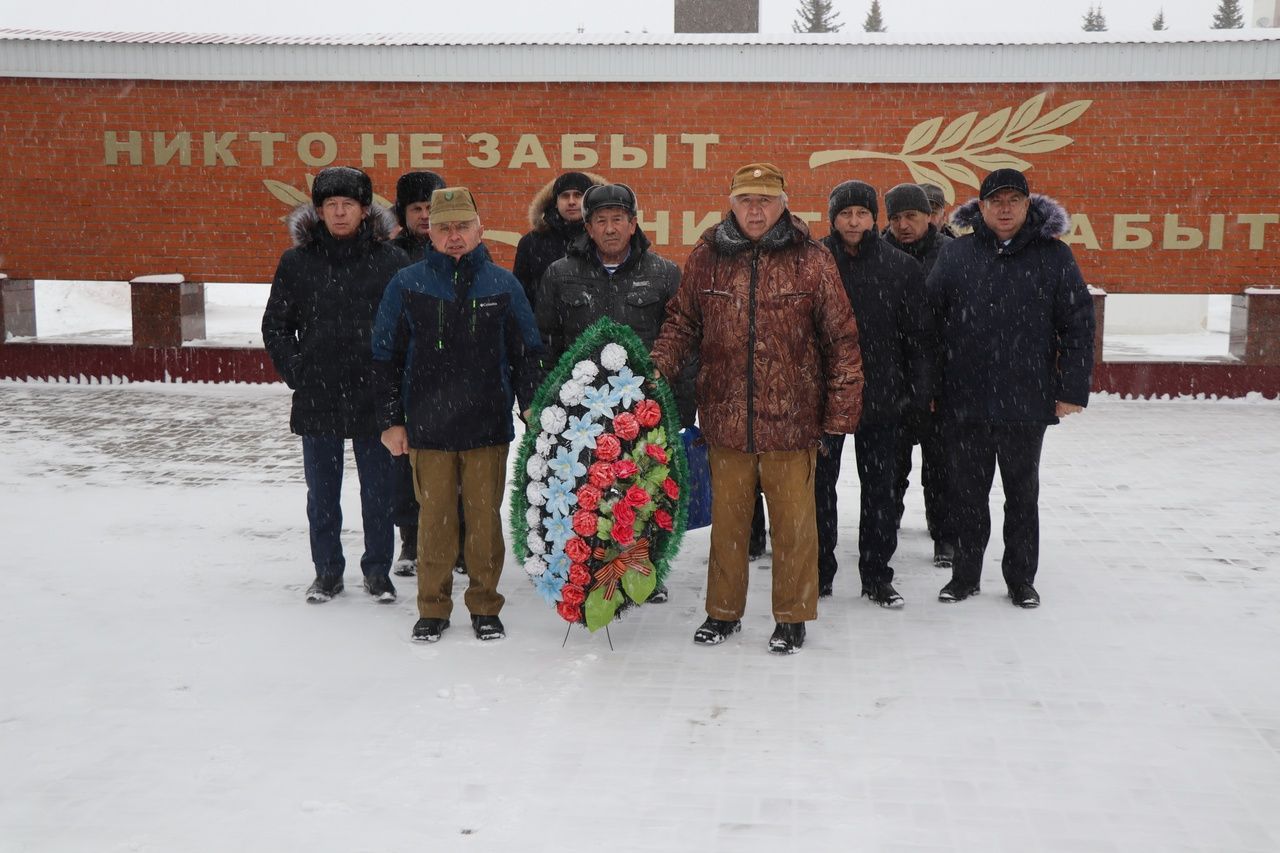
786 477
437 475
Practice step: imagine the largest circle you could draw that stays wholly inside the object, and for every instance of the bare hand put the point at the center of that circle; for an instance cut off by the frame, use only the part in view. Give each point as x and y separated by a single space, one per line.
396 439
1063 409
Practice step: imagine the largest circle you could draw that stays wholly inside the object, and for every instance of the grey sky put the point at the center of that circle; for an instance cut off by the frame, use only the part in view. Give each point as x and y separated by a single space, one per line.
904 17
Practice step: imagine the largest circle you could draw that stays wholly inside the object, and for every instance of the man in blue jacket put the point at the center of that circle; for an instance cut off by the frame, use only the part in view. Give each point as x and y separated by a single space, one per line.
1016 325
453 344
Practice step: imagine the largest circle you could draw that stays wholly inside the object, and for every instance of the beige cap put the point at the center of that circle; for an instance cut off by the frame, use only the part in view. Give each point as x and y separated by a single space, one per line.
758 179
453 204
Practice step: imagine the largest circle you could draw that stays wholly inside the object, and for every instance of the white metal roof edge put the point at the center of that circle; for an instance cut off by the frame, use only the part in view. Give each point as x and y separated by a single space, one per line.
640 39
1242 59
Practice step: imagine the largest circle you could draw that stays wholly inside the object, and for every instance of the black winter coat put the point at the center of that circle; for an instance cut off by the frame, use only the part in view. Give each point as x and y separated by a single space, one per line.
895 328
1016 321
925 250
318 323
576 291
412 245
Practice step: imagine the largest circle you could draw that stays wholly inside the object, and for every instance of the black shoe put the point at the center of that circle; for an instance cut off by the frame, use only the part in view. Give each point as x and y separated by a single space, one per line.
324 589
659 595
825 589
944 555
488 627
882 593
460 567
429 630
380 587
713 632
957 591
787 638
406 565
1024 595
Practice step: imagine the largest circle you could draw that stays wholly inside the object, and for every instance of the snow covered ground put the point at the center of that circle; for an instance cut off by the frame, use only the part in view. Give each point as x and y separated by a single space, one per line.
167 689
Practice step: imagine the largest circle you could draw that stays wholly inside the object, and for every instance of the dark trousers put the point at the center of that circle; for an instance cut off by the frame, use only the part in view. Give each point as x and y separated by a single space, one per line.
976 449
322 464
875 450
405 502
933 475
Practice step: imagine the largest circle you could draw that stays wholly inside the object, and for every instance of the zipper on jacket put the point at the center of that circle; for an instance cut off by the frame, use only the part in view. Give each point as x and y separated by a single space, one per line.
474 302
440 325
751 350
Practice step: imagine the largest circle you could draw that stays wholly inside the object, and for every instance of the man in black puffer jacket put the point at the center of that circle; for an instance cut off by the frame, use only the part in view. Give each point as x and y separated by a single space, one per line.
886 289
317 329
1016 326
555 221
610 272
911 230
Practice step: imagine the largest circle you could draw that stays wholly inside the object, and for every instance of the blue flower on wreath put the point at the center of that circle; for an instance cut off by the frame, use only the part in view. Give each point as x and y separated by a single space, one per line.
626 387
548 586
582 432
558 564
566 465
599 402
559 531
560 497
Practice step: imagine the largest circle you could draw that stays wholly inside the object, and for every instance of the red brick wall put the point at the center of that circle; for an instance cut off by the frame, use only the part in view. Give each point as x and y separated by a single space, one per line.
73 210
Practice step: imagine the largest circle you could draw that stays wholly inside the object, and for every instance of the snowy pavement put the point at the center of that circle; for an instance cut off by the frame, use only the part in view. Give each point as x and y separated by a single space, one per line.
167 689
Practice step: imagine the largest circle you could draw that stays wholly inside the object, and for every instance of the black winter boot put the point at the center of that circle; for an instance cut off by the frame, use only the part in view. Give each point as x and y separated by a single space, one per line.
406 565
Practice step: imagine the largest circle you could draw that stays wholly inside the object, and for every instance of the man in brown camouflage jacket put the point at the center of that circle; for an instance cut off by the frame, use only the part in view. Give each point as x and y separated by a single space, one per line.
762 304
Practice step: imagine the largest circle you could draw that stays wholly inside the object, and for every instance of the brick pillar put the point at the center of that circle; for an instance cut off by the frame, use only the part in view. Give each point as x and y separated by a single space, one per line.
17 308
1255 325
1099 315
167 310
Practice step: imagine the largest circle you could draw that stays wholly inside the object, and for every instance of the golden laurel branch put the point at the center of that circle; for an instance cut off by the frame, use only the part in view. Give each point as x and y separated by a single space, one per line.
990 143
292 196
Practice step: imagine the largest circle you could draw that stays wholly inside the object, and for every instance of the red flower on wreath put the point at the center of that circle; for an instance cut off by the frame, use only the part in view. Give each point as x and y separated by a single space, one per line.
623 514
670 486
648 414
588 497
571 593
662 518
624 468
623 534
579 574
569 612
601 474
584 522
577 551
626 426
608 448
656 452
636 496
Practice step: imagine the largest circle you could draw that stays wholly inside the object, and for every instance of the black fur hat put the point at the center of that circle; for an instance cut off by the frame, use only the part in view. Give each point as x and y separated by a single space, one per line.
415 187
342 181
852 193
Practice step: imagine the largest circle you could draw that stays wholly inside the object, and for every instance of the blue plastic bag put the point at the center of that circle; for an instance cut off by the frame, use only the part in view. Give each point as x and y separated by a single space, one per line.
699 485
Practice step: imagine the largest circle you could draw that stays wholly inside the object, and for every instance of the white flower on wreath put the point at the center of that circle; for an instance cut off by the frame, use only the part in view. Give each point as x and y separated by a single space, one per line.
533 518
613 357
535 566
543 444
536 543
536 493
536 467
553 420
585 372
571 392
